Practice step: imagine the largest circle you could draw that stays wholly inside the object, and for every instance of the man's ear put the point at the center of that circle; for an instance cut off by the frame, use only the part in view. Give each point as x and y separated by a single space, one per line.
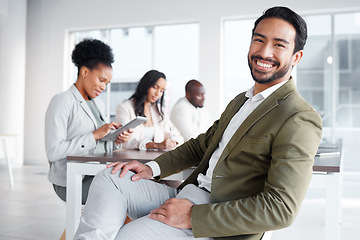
297 57
188 96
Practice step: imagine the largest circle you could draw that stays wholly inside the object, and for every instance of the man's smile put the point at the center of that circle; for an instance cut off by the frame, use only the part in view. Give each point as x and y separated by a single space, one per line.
264 65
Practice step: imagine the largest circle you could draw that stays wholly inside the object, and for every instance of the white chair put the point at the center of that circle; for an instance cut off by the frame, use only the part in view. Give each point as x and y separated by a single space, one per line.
7 160
267 236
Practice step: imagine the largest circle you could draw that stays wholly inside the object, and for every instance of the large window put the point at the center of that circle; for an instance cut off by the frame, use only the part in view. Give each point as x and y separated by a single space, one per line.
171 49
237 77
327 76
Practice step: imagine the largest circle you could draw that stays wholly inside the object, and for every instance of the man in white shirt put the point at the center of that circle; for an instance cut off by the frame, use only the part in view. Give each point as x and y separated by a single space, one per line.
188 114
254 164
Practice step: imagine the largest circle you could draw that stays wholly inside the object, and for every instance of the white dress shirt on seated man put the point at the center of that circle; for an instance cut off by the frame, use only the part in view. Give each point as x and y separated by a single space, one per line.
188 119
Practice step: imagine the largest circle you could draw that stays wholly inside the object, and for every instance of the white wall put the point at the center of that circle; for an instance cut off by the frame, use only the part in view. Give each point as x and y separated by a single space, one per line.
49 20
12 76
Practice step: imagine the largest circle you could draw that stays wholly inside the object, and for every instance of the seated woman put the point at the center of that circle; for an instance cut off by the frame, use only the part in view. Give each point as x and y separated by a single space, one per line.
75 119
158 132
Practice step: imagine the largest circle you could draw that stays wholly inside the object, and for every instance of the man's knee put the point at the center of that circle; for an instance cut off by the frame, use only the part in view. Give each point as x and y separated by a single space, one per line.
107 173
149 230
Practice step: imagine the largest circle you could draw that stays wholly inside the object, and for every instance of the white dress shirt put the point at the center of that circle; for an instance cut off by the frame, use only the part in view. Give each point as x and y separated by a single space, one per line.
189 120
250 105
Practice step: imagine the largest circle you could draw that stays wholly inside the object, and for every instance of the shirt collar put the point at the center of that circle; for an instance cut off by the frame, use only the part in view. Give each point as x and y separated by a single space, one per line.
187 100
266 93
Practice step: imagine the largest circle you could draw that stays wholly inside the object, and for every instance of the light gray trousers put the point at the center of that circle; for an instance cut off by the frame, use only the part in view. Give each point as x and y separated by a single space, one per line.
111 198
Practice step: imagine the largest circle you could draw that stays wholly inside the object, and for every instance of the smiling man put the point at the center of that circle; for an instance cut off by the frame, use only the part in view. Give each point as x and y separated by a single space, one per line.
254 164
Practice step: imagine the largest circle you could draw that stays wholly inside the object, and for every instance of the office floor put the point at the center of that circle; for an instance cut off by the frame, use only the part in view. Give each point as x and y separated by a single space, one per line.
32 211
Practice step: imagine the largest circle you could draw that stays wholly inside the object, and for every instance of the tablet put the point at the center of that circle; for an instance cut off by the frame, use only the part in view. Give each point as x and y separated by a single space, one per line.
112 136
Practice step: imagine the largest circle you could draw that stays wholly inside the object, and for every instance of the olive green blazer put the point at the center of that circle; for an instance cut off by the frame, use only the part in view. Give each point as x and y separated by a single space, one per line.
264 171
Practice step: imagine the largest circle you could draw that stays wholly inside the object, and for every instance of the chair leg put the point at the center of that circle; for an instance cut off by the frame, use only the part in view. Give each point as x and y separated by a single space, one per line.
127 220
8 164
63 236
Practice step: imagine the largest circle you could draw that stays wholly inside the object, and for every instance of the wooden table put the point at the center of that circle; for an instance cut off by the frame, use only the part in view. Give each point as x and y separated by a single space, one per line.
118 155
326 175
328 158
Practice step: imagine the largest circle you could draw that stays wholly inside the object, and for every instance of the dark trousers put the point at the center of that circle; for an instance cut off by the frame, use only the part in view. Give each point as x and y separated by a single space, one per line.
61 191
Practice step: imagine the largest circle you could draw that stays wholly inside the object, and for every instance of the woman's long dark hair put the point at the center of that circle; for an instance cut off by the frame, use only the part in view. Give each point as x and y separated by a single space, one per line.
147 81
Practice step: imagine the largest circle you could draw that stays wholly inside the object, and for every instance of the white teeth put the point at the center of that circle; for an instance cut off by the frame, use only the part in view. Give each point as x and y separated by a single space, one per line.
263 64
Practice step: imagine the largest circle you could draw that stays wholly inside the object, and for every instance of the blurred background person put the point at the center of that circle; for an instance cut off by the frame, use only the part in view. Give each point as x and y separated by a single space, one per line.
147 101
188 114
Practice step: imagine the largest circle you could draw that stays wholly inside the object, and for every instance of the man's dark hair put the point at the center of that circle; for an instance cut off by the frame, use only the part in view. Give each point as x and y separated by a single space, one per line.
146 82
191 84
90 53
291 17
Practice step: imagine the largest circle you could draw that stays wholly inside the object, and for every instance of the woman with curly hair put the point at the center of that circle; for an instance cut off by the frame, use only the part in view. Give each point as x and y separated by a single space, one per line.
147 101
75 121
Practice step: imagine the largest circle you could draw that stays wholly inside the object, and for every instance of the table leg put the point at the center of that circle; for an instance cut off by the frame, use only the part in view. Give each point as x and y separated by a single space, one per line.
333 207
73 199
75 171
332 184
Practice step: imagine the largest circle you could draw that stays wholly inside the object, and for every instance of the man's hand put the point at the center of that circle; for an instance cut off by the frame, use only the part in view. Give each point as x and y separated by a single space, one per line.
141 170
174 212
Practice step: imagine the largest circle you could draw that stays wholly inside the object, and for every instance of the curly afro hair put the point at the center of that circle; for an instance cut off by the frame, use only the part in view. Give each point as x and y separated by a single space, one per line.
90 53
